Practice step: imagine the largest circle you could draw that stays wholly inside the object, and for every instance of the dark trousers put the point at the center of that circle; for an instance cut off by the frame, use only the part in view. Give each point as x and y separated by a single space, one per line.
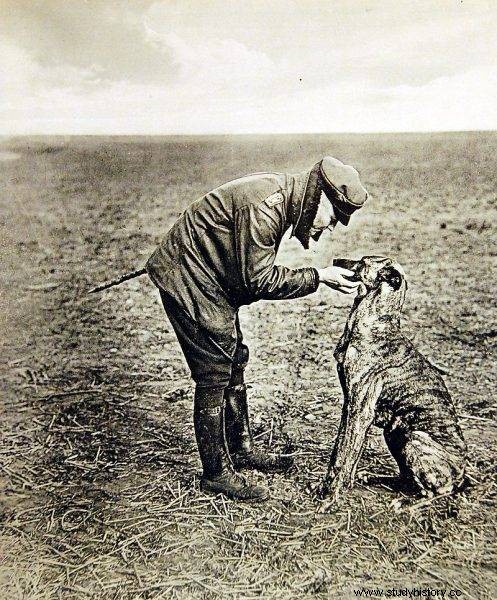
209 364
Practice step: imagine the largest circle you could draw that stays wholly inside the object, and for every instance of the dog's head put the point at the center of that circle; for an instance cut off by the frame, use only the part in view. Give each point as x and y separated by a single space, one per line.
373 271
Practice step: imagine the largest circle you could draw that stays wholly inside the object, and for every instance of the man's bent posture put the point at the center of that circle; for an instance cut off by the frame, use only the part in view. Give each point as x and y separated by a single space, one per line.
220 255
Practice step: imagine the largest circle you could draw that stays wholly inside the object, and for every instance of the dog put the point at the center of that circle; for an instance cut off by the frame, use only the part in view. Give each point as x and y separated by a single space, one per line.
388 383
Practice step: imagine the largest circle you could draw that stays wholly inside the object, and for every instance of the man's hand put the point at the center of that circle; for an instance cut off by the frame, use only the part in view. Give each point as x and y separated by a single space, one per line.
338 279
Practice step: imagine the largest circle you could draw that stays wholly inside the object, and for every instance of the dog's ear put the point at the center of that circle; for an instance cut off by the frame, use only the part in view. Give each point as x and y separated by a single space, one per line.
346 263
391 276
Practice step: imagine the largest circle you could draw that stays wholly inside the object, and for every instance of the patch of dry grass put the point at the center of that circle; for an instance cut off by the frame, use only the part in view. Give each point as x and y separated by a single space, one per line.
98 462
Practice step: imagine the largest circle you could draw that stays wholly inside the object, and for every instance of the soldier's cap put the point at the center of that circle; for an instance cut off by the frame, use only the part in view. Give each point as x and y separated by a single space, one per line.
342 187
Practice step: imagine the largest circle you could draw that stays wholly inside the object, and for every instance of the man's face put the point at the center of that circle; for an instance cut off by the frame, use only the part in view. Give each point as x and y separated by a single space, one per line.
325 218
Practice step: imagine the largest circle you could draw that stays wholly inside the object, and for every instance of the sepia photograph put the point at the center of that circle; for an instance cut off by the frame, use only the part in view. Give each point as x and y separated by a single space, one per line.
248 299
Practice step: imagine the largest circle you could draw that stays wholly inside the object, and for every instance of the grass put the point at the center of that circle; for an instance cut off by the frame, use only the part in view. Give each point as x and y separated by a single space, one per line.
98 464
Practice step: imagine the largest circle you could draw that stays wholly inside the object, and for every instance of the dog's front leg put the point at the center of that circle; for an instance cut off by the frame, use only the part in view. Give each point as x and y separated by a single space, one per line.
357 417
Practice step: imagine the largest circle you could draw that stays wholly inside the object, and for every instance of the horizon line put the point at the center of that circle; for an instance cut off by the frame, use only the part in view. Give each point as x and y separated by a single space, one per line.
238 134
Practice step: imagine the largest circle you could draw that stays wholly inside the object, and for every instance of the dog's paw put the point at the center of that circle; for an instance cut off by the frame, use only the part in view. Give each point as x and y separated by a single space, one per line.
328 493
319 491
329 502
363 477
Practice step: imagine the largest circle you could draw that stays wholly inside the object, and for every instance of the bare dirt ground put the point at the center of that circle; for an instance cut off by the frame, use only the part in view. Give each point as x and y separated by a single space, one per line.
98 465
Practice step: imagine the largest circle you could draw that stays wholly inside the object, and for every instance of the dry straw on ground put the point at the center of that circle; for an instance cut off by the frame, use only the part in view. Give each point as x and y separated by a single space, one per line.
98 462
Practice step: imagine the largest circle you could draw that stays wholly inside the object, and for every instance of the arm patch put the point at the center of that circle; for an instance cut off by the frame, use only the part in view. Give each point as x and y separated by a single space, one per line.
274 199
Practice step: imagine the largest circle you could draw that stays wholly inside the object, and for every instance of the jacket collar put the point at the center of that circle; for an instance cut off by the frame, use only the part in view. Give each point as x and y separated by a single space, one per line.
304 204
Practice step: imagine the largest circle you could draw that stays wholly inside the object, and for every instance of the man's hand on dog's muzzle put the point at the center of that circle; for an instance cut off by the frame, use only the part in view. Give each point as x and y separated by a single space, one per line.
340 279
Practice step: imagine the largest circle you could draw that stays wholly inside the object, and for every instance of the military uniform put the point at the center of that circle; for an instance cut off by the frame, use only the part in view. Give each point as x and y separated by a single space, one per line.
218 256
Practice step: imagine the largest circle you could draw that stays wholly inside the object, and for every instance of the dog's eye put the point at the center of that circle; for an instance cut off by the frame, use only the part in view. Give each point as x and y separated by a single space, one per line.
390 275
344 190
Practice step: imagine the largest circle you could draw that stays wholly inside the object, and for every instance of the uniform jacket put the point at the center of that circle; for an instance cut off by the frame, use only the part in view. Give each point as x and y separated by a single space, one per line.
220 254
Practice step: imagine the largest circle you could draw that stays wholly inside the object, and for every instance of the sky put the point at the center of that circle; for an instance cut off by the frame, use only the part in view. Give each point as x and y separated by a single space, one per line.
246 66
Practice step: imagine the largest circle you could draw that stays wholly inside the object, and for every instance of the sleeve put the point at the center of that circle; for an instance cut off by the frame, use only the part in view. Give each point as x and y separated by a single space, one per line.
258 230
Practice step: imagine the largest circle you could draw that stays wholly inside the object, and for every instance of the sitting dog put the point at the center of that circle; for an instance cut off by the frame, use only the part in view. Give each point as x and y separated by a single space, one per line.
386 381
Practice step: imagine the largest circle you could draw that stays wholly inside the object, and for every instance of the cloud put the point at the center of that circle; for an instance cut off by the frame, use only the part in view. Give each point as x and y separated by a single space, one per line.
106 41
212 66
386 42
192 66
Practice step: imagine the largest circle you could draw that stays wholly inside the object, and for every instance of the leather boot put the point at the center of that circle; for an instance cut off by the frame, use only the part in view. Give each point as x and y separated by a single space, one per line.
219 476
239 436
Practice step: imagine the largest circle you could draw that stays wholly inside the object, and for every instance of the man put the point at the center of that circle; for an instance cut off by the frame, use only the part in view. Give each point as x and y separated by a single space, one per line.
220 255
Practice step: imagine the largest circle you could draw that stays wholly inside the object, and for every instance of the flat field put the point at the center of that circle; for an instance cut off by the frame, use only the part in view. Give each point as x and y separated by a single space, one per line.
98 466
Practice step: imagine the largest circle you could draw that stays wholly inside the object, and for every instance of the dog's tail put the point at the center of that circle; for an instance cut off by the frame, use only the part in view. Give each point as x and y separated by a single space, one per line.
118 281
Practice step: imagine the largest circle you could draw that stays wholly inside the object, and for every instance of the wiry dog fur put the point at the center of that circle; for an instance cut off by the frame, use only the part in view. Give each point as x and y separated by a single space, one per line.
386 381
